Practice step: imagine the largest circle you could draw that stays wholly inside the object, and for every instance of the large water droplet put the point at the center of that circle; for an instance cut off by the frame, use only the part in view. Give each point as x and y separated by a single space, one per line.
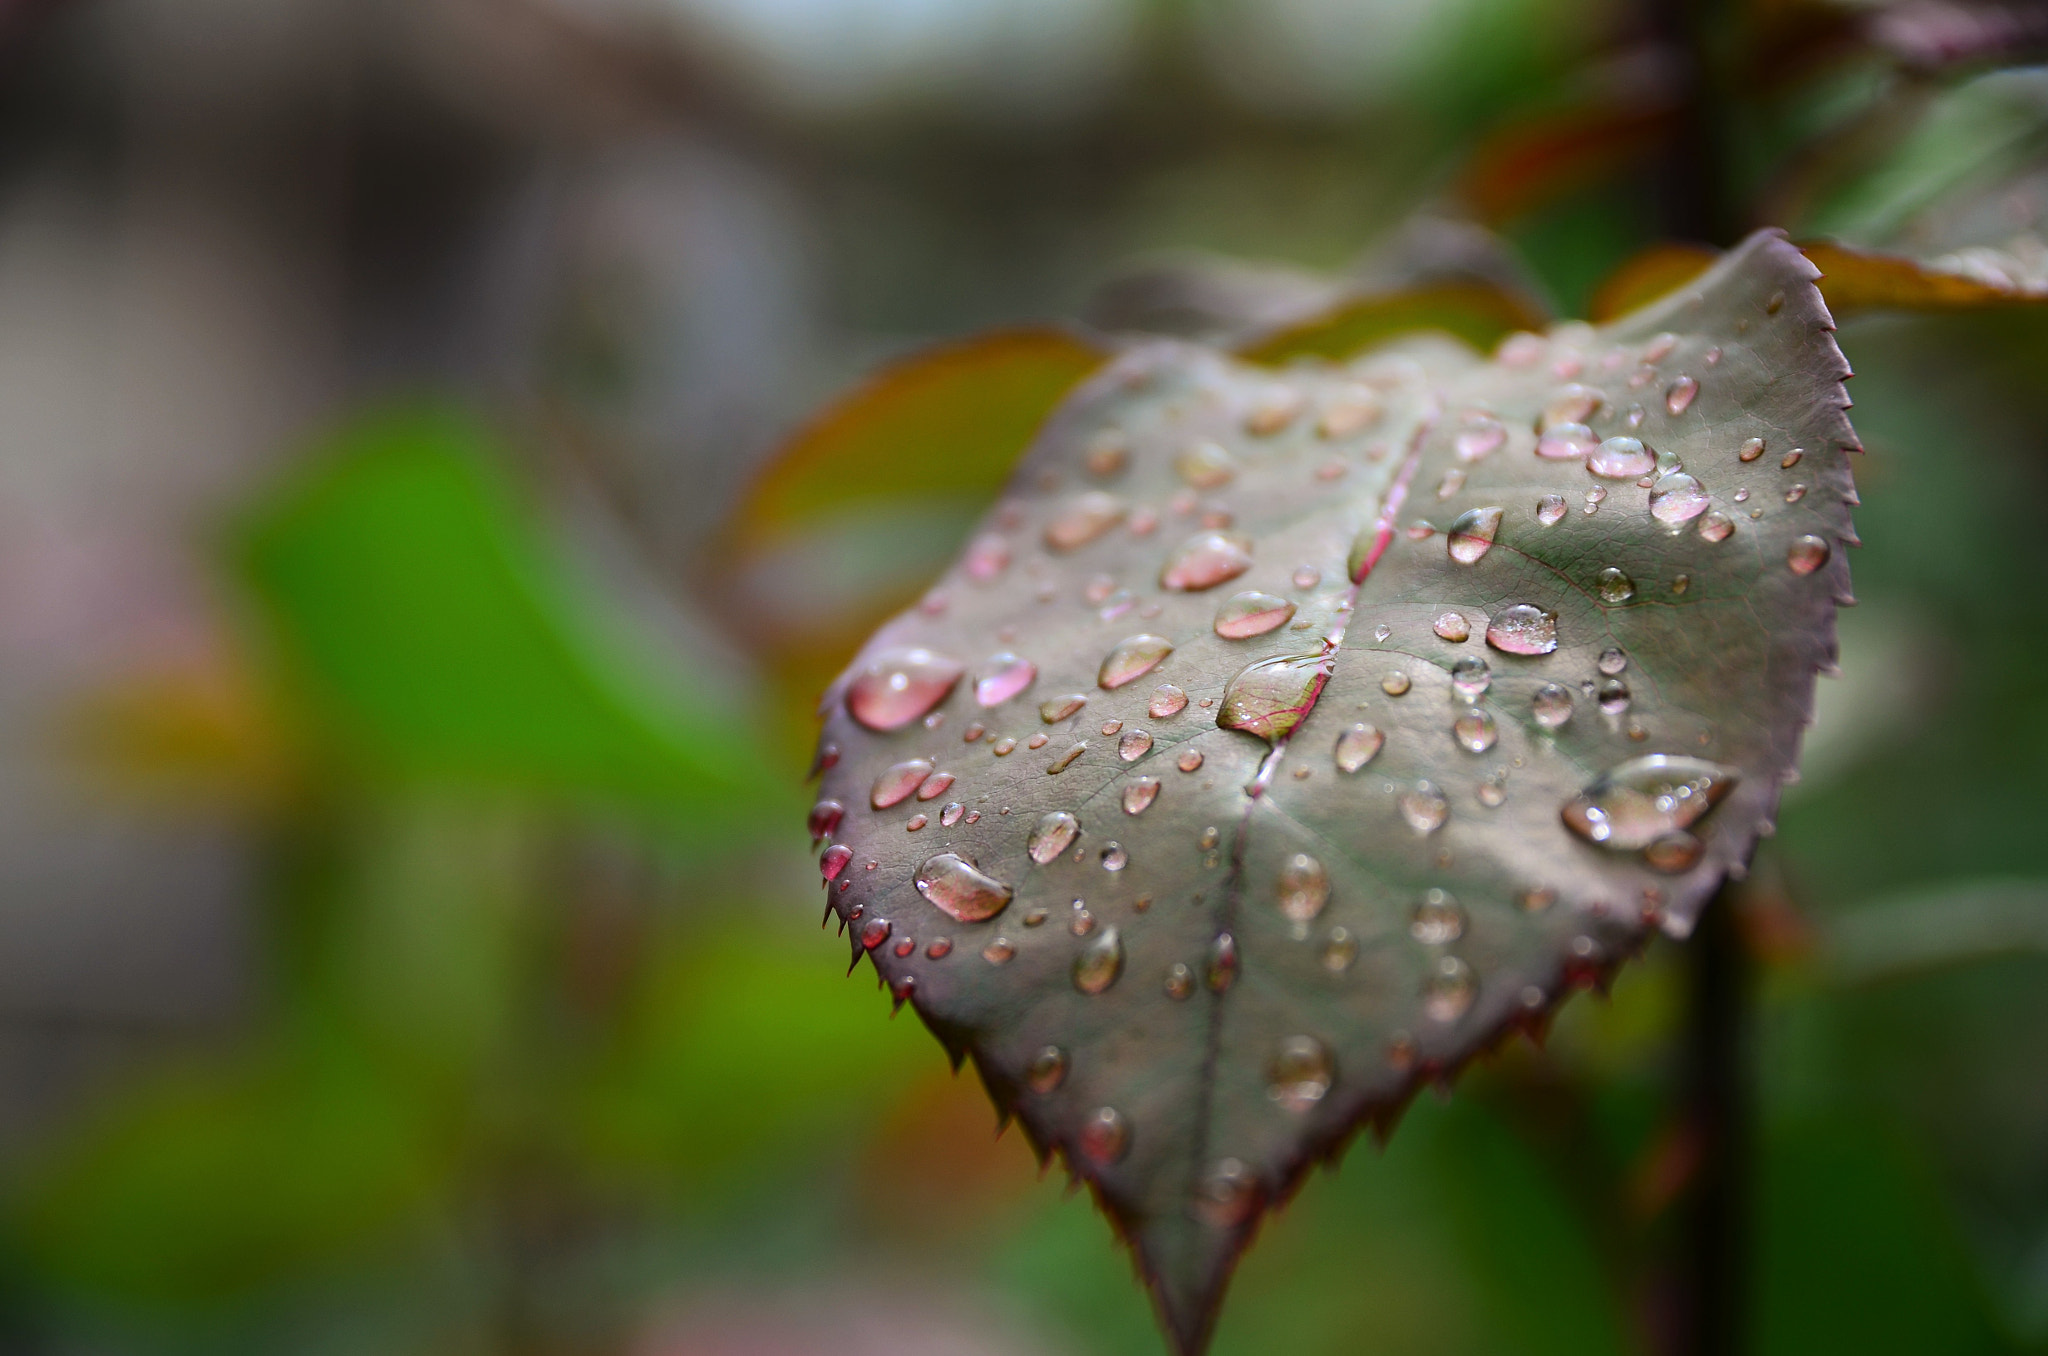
1300 1073
1807 554
1550 510
1523 629
1358 746
1273 696
897 782
1206 466
1003 677
1139 793
1083 519
1566 442
1047 1070
960 889
1105 1136
1678 396
1475 730
1621 458
1304 888
1677 498
1053 710
1134 745
1448 991
1471 536
899 686
1425 807
1099 963
1205 560
1552 706
1437 919
1614 586
1470 677
1632 805
1167 700
1055 833
1252 614
1131 659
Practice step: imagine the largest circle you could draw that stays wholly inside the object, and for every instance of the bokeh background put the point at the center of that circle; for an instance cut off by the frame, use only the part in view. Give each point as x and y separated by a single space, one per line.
407 940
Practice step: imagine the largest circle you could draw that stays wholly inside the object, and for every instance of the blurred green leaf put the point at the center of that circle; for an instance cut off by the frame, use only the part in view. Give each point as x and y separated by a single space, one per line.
1479 314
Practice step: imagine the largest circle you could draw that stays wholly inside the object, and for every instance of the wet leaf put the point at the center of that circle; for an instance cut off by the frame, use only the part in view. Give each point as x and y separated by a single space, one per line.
1584 692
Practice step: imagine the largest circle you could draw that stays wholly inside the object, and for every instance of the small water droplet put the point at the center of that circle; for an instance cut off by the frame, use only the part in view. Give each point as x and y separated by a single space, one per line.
1139 793
1680 583
1678 396
1480 437
1674 852
1304 888
1358 746
934 786
1339 950
1453 481
1475 730
988 555
1716 526
1536 899
1677 498
1471 536
898 782
1083 519
1246 615
1189 761
1115 857
1053 710
1066 760
940 948
873 933
1795 494
1552 706
1566 442
1612 660
1614 696
1523 629
952 813
1131 659
1470 677
1105 1136
1394 682
1206 466
1572 404
1448 992
1615 587
834 861
960 889
1634 804
1003 747
1453 627
1425 807
1109 451
1270 697
825 817
1421 530
1099 963
1621 458
1307 577
1047 1070
1055 833
1230 1193
1167 700
1211 836
1751 449
1221 969
1660 347
999 951
1133 746
1742 495
1437 919
1180 981
1205 560
1382 633
1807 554
1791 459
900 686
1300 1073
1550 510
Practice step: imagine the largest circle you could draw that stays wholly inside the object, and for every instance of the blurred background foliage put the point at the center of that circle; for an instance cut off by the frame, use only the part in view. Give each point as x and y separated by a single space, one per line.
408 641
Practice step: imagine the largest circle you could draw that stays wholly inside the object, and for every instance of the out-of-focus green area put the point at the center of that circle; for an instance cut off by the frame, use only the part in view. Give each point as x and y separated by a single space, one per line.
406 933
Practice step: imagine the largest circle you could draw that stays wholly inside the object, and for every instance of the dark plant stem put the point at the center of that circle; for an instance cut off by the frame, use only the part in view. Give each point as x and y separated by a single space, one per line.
1711 1275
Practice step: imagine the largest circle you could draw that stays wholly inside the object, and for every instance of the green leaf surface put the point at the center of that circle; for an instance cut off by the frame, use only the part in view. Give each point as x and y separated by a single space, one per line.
1271 928
436 639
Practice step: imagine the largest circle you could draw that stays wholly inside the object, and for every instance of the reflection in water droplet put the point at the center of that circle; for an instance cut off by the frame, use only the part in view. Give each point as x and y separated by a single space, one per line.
1425 807
1472 535
1614 586
1550 510
1055 833
1448 992
1566 442
1358 746
1716 526
1221 969
1133 746
1132 658
1105 1136
1678 396
1452 626
1806 554
1271 697
1205 560
1180 981
897 782
1437 919
1394 682
899 686
1470 677
1621 458
1300 1073
1053 710
1475 730
1189 761
1339 950
960 889
1523 629
1633 805
1206 466
1167 700
1304 888
1099 963
1677 498
1139 793
1252 614
1047 1069
1612 660
1552 706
